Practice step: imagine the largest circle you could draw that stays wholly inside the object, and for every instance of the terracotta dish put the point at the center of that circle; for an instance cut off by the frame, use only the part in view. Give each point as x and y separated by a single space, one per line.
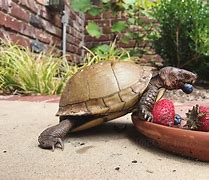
193 144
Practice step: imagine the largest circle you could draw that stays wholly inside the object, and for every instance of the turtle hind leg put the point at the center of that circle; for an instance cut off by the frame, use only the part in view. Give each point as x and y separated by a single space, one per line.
53 136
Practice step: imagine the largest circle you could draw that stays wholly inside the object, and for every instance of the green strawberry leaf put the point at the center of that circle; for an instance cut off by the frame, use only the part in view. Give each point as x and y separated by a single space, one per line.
93 29
94 11
119 26
81 6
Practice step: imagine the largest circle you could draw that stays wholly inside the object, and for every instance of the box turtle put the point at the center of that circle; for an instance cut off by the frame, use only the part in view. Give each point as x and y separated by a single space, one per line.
108 90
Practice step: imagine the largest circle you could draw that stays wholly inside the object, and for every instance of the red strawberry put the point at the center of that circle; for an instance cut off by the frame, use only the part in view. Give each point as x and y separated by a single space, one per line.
198 118
164 112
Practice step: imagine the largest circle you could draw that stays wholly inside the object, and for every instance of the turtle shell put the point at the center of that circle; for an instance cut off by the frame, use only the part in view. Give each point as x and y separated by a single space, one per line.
104 88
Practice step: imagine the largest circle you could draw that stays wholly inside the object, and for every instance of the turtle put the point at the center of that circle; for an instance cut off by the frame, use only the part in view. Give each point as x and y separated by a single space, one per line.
108 90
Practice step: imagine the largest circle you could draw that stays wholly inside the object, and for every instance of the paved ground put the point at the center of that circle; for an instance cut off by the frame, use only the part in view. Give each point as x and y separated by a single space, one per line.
99 153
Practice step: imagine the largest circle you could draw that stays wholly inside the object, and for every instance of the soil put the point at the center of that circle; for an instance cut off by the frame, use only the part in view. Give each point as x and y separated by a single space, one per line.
199 94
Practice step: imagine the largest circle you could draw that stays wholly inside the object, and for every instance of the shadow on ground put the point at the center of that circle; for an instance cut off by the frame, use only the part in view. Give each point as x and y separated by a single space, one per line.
111 130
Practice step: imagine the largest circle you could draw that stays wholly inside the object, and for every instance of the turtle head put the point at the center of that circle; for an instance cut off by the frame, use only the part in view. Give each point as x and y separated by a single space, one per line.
175 78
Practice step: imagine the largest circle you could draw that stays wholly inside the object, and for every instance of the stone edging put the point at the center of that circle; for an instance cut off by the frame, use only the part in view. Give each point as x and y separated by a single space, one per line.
48 99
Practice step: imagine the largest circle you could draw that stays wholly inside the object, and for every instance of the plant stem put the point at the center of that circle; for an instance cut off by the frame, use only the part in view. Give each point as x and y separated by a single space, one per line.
177 46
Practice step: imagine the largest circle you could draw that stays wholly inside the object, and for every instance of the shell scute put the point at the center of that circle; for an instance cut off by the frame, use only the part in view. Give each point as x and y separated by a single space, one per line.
102 88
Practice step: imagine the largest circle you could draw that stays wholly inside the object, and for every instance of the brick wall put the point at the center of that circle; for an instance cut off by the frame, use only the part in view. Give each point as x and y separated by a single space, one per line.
105 21
31 24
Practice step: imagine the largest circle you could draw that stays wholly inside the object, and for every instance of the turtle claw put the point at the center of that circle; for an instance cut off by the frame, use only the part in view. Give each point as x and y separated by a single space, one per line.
145 115
61 143
57 142
148 117
50 142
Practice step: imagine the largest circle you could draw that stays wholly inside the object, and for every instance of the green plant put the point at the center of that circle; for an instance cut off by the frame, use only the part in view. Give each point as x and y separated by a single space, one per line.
24 72
106 53
184 33
133 27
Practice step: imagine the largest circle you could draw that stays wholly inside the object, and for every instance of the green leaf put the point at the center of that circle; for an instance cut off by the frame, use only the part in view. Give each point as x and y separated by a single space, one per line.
81 6
93 29
119 26
94 11
102 49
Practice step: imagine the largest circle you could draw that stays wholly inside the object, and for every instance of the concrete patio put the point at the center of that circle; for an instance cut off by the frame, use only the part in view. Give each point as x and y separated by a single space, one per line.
98 153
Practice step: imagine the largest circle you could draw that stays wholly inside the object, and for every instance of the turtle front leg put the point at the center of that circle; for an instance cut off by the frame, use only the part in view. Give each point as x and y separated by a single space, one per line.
146 103
54 135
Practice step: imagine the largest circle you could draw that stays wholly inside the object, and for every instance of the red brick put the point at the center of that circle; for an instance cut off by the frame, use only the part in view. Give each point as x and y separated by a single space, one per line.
71 48
44 13
89 17
42 36
104 23
72 15
76 33
108 15
77 41
56 20
80 21
32 6
101 39
49 27
4 5
55 40
106 30
2 34
10 23
71 39
28 30
2 19
20 40
88 38
22 2
74 49
19 12
58 32
76 25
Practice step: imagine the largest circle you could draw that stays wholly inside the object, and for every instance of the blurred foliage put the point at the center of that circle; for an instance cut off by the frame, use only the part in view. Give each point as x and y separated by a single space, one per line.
135 26
106 52
23 72
93 29
183 39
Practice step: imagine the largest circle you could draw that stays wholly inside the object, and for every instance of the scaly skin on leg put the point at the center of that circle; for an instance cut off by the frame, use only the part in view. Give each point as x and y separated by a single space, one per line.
146 103
54 135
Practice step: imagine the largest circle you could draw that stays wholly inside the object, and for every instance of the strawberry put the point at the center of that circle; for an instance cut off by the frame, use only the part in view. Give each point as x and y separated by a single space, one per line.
198 118
164 112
